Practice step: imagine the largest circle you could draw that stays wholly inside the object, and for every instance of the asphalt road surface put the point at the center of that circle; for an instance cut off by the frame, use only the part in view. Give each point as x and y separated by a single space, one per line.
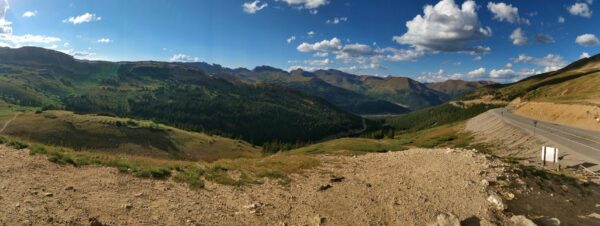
583 142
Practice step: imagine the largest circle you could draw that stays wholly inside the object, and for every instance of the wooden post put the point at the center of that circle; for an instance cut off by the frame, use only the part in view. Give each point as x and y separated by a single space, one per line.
544 156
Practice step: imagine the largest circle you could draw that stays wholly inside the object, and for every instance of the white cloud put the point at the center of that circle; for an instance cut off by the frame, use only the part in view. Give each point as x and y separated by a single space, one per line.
24 40
321 54
584 55
183 58
518 37
5 27
29 14
105 40
253 7
337 20
307 4
580 9
443 27
403 54
322 46
587 40
321 62
85 18
439 76
509 65
291 39
561 20
550 62
508 74
506 12
477 73
311 33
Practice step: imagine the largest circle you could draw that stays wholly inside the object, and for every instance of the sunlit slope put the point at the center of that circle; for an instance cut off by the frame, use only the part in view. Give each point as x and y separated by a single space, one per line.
119 136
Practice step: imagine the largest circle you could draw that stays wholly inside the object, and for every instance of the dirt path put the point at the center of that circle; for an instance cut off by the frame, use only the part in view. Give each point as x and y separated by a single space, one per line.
8 122
402 188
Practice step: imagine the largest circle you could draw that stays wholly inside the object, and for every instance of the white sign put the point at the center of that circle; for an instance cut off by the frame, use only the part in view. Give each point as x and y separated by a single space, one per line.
549 154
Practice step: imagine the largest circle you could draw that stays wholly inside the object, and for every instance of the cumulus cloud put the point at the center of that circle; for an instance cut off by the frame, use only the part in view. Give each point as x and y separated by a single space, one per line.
438 76
587 40
580 9
544 38
105 40
518 37
307 4
291 39
182 58
85 18
445 27
253 7
322 46
321 62
362 56
550 62
337 20
477 73
29 14
584 55
15 41
506 12
5 27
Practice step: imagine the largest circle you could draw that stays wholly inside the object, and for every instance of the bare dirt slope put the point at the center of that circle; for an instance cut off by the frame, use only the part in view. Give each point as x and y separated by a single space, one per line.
401 188
576 115
505 140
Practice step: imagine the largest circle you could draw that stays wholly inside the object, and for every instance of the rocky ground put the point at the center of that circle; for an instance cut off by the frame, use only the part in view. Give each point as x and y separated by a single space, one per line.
415 187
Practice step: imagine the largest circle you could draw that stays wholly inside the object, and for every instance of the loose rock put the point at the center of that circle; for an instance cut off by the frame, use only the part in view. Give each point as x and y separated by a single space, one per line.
521 221
446 219
324 187
497 201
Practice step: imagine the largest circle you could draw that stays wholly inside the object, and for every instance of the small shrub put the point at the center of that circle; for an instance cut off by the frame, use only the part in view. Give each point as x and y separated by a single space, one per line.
2 140
17 145
191 177
37 150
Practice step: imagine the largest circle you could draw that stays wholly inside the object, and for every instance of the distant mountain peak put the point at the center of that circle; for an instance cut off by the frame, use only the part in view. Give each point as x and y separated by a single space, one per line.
266 68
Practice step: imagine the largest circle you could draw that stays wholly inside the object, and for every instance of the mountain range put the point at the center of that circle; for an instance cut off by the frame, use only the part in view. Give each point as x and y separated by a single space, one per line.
296 106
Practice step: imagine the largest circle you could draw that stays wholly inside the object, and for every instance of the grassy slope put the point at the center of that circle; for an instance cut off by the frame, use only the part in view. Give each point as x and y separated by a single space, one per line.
582 90
562 84
398 90
121 136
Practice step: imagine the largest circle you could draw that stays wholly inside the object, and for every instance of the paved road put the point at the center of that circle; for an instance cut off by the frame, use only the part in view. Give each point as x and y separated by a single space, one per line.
583 142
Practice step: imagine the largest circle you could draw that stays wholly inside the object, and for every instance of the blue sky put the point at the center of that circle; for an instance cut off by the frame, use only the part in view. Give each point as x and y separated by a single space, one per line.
426 40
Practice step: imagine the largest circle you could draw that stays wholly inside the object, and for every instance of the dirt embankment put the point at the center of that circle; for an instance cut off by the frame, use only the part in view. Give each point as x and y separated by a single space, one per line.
503 139
576 115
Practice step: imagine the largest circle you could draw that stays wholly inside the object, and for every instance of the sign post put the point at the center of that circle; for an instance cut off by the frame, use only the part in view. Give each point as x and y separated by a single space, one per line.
550 154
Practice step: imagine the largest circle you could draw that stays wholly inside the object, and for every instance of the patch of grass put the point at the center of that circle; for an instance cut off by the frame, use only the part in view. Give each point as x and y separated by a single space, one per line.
192 176
441 136
352 146
17 144
3 140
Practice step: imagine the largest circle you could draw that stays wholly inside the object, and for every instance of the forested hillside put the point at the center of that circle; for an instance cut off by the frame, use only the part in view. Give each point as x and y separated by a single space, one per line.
168 93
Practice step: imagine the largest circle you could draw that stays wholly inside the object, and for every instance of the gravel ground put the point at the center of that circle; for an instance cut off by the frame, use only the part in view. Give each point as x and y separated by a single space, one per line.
399 188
